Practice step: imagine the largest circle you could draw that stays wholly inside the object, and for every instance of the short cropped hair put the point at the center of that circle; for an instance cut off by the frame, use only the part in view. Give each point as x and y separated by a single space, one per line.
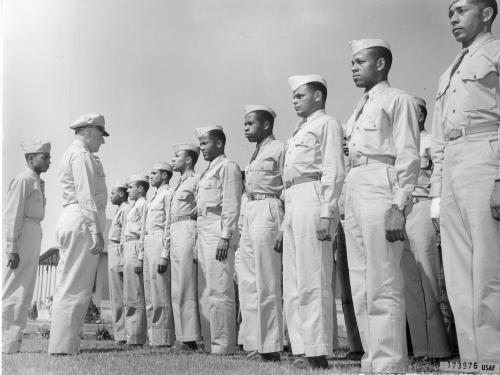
264 116
386 54
318 86
124 191
169 174
193 155
423 111
489 4
144 184
217 135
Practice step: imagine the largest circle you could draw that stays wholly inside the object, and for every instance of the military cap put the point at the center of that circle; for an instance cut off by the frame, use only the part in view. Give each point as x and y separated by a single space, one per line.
137 177
120 185
90 121
36 147
162 165
200 132
361 44
257 107
296 81
186 147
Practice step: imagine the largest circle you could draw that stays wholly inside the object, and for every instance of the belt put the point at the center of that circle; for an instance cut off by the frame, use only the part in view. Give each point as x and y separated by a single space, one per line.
302 179
209 210
419 199
127 239
365 160
481 128
260 196
154 231
176 219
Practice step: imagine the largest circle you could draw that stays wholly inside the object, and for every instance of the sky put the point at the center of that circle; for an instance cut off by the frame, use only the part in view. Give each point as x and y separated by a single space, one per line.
157 69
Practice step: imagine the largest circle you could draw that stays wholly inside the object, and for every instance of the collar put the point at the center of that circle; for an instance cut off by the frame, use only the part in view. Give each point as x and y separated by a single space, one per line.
32 173
480 41
163 187
315 115
378 88
79 143
266 140
125 203
217 160
186 174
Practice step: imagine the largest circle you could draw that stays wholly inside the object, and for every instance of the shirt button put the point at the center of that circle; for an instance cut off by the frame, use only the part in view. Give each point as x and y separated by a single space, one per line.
458 71
357 127
454 90
453 111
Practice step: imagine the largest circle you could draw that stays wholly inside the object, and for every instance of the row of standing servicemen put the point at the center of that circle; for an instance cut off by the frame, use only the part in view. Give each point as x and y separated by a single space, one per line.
306 176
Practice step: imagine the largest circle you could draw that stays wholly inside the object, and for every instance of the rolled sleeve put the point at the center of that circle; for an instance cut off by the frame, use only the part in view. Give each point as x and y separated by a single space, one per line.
406 136
231 199
84 174
332 177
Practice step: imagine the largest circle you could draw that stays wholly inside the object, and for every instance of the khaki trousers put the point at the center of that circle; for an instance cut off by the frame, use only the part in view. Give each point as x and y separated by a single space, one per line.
259 277
160 319
374 268
215 288
471 244
184 281
133 295
18 286
307 274
116 291
75 278
421 264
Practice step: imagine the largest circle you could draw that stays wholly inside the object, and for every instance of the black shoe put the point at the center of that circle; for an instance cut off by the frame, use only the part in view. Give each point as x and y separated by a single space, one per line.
354 356
271 357
319 362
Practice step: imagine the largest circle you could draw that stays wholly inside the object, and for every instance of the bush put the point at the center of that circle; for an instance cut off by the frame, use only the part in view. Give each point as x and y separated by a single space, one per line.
103 334
44 332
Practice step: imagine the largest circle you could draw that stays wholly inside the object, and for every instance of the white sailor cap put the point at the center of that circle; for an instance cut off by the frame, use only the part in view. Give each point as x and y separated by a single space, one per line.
361 44
200 132
90 121
120 185
137 177
257 107
36 147
420 101
162 165
186 147
296 81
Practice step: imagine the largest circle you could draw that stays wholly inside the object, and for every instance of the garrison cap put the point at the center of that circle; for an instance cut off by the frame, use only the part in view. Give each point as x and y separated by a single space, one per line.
361 44
36 147
186 147
90 121
257 107
137 177
120 185
200 132
296 81
162 165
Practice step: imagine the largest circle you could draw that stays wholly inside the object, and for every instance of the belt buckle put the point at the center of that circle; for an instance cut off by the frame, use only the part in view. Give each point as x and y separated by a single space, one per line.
455 134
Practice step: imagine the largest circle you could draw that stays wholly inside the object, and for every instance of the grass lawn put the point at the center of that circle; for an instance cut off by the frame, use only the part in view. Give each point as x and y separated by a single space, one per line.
103 357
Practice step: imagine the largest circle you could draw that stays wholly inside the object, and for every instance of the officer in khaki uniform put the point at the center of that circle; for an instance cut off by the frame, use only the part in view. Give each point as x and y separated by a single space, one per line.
218 203
23 211
259 271
421 262
133 258
465 184
313 175
182 248
79 232
118 197
156 240
383 142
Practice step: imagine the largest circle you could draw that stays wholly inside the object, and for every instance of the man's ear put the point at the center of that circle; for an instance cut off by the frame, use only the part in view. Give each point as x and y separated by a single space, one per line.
487 14
219 144
381 64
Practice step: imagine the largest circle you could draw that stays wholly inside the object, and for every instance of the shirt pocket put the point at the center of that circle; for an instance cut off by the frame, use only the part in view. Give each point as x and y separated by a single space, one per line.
184 196
210 192
306 146
480 87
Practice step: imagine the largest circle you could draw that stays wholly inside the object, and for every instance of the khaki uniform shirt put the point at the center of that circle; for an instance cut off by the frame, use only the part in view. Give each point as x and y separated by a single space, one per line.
470 97
83 182
316 147
135 224
423 184
264 173
184 199
219 190
158 216
386 126
25 201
